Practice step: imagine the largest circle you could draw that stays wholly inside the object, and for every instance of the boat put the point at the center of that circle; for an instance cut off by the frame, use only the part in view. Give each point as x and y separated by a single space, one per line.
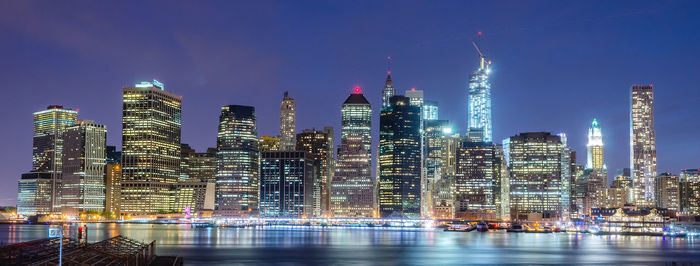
515 228
482 227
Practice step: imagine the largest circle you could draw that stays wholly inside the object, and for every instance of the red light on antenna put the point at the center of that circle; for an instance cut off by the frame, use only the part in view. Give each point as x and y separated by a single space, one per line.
413 89
357 89
77 110
479 33
180 97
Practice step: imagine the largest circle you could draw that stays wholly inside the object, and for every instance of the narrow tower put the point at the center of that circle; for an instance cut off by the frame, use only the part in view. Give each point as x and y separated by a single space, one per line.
595 147
388 90
643 144
479 122
288 111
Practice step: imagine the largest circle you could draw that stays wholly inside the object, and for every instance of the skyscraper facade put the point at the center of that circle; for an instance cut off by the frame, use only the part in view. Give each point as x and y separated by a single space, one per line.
594 147
289 185
566 176
237 162
34 193
689 192
435 138
319 145
48 146
199 166
352 187
400 159
84 161
430 110
479 122
667 191
287 123
269 143
151 127
478 180
643 144
535 175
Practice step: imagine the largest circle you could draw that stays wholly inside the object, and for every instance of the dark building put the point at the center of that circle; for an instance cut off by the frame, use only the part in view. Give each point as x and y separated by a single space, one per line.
237 162
113 156
319 144
400 159
199 166
288 185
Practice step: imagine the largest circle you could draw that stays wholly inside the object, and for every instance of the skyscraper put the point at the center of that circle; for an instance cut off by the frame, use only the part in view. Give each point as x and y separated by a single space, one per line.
289 185
319 145
287 123
352 187
595 174
689 192
430 110
48 146
34 192
84 161
151 124
400 159
566 176
388 90
237 162
595 147
643 144
198 166
435 139
269 143
667 192
479 113
535 175
478 179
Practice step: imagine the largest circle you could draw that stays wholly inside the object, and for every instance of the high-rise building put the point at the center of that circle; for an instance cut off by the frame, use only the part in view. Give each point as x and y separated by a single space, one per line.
400 159
435 138
288 111
289 185
415 98
319 145
535 175
388 90
199 166
151 126
643 144
689 192
84 161
34 193
352 187
479 113
623 181
48 146
594 147
113 189
237 162
113 156
269 143
666 190
430 110
478 180
566 177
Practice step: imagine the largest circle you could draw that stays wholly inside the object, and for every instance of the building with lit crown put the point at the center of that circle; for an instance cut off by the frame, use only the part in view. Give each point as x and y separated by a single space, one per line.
237 162
479 128
643 144
151 128
352 187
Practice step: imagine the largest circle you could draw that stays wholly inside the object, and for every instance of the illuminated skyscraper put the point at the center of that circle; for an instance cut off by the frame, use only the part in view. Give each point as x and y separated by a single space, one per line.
415 97
237 162
435 138
667 191
430 110
48 146
319 144
535 174
689 192
198 166
479 122
352 187
643 144
477 182
388 90
84 161
595 147
288 111
34 193
400 159
151 123
566 176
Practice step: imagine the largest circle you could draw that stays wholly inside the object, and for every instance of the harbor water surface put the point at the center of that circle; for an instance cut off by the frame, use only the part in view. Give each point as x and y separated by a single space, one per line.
304 245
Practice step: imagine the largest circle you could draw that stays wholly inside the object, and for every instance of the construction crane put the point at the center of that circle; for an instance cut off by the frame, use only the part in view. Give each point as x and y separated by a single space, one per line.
483 62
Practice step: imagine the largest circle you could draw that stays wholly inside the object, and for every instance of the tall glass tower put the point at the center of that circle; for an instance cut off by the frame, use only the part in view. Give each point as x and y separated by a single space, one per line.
237 162
287 123
479 123
643 144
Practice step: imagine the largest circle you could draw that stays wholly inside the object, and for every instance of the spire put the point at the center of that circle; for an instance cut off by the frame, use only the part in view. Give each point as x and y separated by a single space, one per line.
388 65
388 90
286 94
595 123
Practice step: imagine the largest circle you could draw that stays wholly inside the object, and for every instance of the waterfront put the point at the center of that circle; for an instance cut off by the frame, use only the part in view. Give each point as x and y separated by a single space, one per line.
382 246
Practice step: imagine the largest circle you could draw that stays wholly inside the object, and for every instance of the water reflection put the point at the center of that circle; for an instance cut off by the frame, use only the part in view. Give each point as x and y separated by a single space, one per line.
352 246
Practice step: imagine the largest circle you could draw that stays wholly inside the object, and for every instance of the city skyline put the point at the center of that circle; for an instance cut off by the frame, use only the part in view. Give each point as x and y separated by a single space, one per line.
318 106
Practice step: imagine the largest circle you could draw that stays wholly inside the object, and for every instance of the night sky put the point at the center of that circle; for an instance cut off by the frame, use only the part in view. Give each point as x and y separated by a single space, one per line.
556 65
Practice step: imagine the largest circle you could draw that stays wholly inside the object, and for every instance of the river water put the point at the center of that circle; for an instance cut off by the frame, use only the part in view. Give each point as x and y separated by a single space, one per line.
287 245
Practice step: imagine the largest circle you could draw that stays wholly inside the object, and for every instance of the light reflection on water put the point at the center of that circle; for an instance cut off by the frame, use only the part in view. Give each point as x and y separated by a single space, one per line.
381 246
